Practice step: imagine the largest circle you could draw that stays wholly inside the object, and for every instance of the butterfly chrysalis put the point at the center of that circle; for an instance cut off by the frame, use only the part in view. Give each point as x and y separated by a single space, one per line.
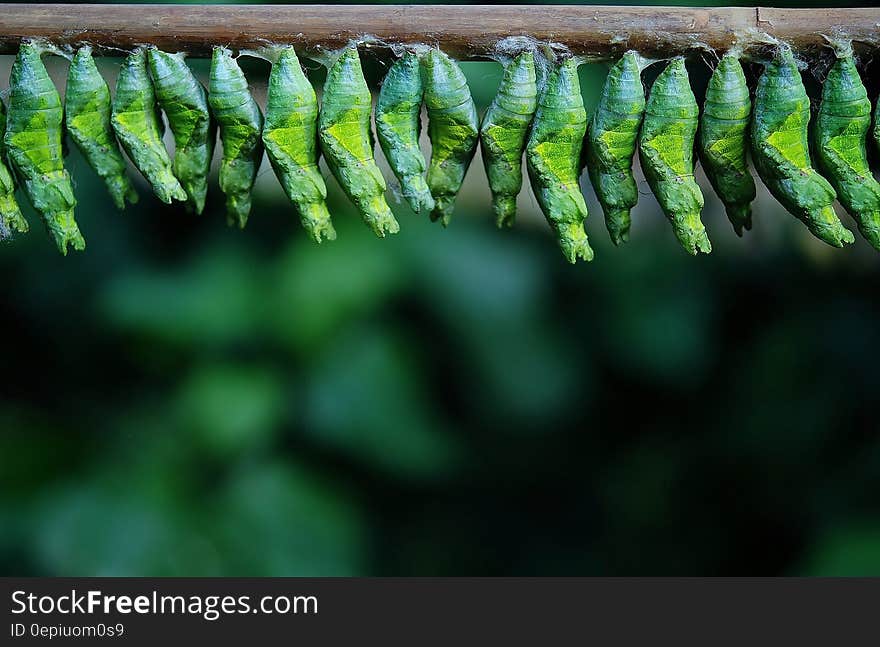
346 140
841 128
87 117
553 154
453 129
503 134
666 151
724 141
781 153
398 125
290 134
138 125
184 101
241 126
611 144
33 146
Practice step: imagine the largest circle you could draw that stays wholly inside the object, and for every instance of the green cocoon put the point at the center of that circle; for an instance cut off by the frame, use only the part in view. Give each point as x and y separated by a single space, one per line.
841 127
503 134
611 144
290 135
453 129
666 150
33 146
346 140
553 155
185 103
398 125
781 153
87 111
724 141
138 125
241 127
11 220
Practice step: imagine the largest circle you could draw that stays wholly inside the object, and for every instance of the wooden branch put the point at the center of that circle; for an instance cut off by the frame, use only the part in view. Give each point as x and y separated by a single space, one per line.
467 31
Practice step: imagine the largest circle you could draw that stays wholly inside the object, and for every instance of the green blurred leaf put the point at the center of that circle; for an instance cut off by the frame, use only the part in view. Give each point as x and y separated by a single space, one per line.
276 519
97 529
215 299
232 408
490 299
365 399
316 289
658 324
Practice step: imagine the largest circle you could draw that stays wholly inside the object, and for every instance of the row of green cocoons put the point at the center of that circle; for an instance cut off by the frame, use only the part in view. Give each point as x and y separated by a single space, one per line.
537 115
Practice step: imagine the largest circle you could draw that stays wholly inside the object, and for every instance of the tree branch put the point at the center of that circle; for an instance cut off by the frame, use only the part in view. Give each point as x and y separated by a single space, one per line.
469 31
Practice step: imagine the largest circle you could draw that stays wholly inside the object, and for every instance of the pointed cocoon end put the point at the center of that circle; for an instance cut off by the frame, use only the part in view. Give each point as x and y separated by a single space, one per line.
826 226
504 208
169 190
121 190
316 221
64 231
378 216
444 205
11 219
618 223
417 193
573 241
740 216
691 233
238 209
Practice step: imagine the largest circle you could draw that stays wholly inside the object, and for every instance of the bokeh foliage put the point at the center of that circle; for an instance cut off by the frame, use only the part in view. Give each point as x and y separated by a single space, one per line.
187 399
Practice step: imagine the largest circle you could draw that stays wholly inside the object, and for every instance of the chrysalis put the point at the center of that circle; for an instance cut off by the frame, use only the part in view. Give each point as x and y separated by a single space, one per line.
33 146
398 125
724 141
87 116
241 126
666 150
503 134
553 155
346 140
453 129
841 126
611 144
781 154
185 103
138 125
11 220
290 136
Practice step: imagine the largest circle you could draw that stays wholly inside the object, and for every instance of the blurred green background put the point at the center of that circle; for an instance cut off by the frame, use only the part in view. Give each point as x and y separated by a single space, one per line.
186 399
